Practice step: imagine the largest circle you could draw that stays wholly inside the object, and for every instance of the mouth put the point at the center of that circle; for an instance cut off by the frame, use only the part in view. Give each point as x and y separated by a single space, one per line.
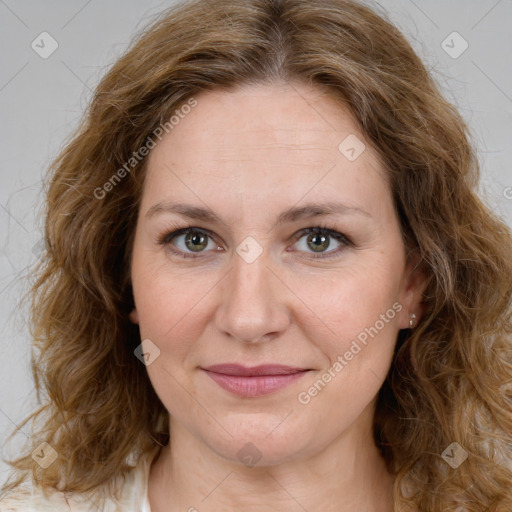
253 381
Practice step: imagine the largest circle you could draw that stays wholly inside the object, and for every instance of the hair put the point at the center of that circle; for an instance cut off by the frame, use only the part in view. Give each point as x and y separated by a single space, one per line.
450 379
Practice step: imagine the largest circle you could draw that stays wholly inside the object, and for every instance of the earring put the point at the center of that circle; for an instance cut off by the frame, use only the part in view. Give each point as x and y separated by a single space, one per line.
411 321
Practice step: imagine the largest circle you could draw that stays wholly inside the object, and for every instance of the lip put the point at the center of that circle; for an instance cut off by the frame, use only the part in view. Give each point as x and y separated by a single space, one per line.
253 381
252 371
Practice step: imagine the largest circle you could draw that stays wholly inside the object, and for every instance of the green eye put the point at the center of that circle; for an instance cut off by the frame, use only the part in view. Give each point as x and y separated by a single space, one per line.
187 241
196 241
190 242
318 240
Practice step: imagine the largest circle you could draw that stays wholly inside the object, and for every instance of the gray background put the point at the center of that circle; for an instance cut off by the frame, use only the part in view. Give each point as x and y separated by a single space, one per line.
41 101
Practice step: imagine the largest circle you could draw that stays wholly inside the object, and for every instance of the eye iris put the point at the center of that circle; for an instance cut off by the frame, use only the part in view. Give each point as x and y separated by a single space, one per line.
320 242
199 241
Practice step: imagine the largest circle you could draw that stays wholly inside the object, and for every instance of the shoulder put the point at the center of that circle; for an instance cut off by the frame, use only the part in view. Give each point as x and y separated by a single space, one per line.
26 500
35 500
133 495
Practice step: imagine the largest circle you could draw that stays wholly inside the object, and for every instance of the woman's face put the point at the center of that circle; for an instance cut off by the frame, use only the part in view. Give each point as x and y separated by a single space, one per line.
253 170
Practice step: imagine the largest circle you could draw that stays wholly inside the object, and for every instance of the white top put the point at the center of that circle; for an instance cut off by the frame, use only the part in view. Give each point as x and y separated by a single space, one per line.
133 495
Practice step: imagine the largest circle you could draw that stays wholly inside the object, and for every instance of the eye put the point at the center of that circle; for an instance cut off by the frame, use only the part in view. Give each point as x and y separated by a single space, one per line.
192 242
189 241
318 239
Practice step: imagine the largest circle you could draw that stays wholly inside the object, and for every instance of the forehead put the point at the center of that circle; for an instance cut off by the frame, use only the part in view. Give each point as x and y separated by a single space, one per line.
261 139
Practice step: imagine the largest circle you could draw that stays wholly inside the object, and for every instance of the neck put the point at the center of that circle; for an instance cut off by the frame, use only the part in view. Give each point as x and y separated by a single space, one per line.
349 475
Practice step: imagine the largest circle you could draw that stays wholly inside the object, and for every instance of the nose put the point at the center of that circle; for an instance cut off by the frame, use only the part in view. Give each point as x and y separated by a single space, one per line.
253 306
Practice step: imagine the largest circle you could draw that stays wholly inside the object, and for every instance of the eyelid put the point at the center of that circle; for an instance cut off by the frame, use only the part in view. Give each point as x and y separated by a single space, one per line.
177 231
324 230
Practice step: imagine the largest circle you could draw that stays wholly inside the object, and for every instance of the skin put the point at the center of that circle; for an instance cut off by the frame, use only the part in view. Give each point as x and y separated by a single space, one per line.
248 154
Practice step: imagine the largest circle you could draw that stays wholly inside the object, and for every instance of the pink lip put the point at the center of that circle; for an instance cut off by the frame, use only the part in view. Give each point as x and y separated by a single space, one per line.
254 381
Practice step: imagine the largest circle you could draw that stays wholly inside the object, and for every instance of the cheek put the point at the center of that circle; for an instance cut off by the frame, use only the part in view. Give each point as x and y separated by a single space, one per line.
170 315
171 307
350 301
356 339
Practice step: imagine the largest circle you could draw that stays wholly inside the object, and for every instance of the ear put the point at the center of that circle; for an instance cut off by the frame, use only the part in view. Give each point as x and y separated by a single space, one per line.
413 286
134 316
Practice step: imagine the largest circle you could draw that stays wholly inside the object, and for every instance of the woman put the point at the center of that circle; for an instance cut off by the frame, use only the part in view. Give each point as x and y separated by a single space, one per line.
269 283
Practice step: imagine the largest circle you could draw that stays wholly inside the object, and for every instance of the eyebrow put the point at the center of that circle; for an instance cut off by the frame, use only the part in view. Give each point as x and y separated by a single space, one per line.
290 215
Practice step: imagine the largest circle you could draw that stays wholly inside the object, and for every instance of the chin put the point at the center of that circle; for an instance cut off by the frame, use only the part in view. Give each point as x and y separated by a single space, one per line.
261 445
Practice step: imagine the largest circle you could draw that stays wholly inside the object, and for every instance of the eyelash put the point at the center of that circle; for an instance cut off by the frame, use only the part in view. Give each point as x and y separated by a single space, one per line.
166 239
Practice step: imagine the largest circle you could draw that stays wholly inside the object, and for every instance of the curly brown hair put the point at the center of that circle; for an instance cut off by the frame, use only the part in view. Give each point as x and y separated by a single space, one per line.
450 380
